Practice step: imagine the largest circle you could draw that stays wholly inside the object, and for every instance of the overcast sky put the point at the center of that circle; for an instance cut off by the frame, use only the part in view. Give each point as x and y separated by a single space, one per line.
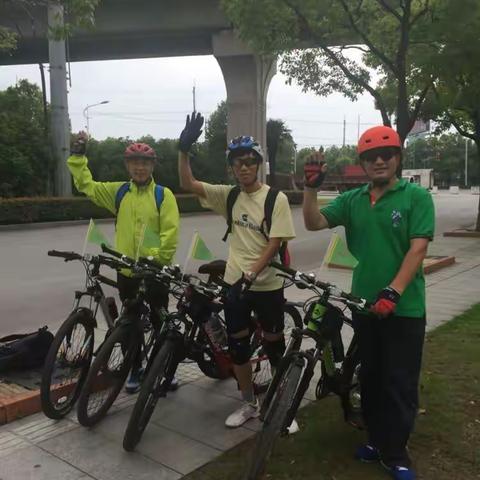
152 96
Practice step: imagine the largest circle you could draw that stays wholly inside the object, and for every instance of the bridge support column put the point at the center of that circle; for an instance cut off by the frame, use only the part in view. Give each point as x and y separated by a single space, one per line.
247 79
59 120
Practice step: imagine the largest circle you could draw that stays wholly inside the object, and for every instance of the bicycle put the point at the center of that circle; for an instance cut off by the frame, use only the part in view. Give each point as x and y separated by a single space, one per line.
135 333
324 321
187 335
70 355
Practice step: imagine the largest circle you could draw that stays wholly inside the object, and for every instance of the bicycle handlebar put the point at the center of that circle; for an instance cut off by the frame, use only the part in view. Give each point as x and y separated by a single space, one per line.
301 278
68 256
114 253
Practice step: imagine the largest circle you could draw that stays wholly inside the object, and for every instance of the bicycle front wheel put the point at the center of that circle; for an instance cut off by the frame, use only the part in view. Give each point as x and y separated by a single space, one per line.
154 386
107 375
274 422
67 363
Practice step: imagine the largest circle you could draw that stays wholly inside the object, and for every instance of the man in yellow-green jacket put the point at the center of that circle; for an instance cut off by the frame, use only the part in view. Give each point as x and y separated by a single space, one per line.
136 204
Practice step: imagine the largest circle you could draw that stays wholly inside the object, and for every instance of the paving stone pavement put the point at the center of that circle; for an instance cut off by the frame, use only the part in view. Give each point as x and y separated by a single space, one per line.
186 430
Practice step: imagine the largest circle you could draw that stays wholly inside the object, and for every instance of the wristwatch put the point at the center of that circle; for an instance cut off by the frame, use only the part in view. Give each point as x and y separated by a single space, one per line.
251 276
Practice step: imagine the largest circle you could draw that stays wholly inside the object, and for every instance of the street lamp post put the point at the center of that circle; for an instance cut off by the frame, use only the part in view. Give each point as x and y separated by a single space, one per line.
85 113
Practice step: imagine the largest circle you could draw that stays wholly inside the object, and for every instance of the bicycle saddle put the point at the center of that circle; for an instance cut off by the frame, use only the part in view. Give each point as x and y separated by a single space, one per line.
215 268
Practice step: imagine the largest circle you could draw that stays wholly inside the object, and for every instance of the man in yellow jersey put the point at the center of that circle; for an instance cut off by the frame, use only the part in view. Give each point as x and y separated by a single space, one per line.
254 285
136 204
388 225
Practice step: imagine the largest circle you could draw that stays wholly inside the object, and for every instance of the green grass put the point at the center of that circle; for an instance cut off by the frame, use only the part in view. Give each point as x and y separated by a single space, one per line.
444 446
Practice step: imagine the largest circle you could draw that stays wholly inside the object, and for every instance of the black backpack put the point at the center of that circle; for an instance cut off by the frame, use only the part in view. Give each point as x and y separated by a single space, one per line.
24 351
266 224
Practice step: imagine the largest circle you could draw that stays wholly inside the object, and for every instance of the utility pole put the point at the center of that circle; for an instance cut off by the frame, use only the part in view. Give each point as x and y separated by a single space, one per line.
344 129
358 128
60 123
466 163
194 99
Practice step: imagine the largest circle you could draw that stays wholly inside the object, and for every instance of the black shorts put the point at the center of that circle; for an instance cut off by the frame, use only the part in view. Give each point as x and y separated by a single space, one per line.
269 307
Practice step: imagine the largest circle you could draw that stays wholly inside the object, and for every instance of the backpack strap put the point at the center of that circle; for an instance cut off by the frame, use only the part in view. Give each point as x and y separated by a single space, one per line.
268 207
159 194
124 188
231 199
121 192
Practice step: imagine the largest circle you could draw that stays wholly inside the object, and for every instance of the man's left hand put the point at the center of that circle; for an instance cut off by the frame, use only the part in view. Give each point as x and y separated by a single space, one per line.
386 302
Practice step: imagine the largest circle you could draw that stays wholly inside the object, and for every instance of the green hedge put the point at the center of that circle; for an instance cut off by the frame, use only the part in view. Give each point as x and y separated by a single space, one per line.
39 209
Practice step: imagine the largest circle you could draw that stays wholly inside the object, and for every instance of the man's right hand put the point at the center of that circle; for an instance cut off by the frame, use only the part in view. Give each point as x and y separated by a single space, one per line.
315 169
79 144
237 291
191 132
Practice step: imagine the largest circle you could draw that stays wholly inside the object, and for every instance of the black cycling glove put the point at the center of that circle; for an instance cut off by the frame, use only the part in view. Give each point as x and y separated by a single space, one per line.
191 132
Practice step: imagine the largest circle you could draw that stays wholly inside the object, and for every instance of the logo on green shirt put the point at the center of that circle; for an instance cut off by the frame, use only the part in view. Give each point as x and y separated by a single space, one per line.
396 218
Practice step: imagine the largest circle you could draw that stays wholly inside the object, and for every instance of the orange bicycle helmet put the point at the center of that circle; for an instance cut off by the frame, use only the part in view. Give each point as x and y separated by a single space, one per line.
377 137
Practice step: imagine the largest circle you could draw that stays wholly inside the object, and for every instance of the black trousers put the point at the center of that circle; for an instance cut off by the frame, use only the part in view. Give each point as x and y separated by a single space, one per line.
156 294
391 355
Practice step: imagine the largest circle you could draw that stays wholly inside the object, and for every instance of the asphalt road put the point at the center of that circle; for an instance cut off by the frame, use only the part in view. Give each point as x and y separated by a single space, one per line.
37 290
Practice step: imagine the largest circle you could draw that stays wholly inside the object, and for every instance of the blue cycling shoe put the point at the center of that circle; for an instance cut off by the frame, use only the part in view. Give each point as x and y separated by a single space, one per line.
134 380
367 453
401 473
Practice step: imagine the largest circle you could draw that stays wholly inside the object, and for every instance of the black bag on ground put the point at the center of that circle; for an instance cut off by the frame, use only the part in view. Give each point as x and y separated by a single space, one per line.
24 351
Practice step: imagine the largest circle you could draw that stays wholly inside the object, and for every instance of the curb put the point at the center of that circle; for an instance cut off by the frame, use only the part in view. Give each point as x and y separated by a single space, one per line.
19 406
462 233
73 223
438 264
434 263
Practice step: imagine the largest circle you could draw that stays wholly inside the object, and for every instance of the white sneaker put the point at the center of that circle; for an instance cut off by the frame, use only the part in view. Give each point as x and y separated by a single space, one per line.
244 413
293 428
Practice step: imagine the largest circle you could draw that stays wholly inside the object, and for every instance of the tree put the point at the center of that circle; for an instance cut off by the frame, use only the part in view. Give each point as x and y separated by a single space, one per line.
279 141
210 163
23 151
387 34
455 66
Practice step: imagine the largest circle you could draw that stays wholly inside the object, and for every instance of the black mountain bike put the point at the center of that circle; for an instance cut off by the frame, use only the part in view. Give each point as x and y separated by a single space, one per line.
324 321
135 329
188 334
70 355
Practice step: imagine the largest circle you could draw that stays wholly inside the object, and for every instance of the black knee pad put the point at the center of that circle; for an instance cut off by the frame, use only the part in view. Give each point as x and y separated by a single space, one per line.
239 349
274 350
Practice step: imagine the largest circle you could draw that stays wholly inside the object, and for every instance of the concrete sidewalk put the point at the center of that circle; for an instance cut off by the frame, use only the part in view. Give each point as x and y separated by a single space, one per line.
186 430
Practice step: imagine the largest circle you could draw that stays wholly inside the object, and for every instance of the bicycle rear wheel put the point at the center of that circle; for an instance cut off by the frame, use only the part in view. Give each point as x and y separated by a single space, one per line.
67 363
274 421
107 375
154 386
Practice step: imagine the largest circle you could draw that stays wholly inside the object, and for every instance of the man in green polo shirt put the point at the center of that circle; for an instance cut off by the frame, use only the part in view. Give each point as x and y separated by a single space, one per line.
388 224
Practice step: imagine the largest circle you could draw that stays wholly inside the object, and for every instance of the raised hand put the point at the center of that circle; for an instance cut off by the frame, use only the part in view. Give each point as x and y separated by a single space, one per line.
191 132
315 169
79 143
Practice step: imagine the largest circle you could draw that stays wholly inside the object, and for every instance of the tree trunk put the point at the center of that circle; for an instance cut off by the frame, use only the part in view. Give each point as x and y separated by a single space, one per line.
477 144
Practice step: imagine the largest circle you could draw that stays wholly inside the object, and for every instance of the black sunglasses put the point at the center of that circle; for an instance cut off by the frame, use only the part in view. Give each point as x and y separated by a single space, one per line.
247 161
385 153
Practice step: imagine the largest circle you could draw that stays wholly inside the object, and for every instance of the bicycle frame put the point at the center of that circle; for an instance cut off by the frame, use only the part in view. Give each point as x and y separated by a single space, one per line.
94 290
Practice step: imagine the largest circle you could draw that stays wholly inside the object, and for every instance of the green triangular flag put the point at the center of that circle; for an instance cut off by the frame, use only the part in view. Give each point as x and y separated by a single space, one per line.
338 255
199 250
96 236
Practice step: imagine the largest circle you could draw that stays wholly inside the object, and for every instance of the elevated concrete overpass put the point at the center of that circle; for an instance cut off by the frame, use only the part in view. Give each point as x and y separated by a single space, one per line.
123 29
127 29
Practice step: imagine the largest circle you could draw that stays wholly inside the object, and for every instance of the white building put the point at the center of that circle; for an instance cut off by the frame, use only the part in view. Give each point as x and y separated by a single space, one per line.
422 176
